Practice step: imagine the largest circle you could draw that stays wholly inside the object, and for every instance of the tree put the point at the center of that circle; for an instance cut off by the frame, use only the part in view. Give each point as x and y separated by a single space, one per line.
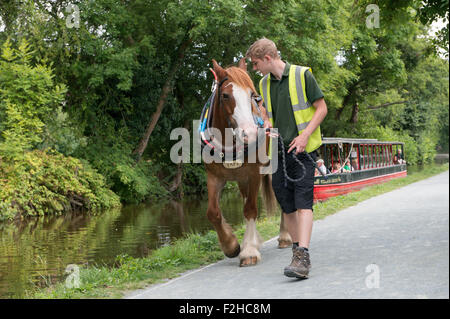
27 98
433 11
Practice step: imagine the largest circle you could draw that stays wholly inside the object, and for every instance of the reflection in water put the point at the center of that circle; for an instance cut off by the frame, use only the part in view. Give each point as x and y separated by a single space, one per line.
37 251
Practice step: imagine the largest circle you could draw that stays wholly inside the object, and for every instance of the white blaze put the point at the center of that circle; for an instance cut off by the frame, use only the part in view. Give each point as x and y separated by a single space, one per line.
243 112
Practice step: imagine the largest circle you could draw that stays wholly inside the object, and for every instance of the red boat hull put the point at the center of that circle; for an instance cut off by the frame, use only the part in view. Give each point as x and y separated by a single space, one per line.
322 192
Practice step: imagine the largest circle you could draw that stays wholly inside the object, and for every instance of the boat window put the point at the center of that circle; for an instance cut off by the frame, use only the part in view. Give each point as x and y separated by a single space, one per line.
371 157
354 158
365 157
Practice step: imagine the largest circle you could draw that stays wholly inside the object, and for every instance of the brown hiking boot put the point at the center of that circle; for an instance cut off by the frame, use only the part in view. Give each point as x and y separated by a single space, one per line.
300 264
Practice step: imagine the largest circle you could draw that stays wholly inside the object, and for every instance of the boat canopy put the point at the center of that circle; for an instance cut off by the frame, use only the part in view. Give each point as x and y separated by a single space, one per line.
338 140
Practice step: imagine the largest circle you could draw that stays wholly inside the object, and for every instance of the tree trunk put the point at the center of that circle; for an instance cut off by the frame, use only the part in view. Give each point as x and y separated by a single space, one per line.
354 117
346 100
339 112
162 100
177 181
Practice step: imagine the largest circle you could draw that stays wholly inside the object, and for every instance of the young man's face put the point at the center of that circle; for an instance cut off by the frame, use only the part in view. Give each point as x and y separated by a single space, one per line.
262 65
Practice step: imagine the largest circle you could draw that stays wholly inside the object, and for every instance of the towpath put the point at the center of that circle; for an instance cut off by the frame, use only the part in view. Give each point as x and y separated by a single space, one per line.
395 245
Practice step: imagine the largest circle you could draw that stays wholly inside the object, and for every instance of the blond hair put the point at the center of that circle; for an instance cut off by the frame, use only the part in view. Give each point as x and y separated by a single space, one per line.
261 48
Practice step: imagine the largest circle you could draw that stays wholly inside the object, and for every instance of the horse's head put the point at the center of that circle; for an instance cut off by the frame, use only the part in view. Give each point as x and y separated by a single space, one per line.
235 90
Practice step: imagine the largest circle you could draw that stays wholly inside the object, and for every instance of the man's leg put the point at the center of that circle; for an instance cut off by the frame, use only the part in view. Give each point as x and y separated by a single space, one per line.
299 225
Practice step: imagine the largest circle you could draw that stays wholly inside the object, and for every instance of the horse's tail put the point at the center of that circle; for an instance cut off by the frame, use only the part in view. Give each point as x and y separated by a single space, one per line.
268 194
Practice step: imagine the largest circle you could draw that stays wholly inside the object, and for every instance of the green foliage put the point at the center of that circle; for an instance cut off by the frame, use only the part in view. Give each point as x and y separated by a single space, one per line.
194 179
27 97
106 77
34 182
432 11
426 114
39 183
60 134
109 153
399 89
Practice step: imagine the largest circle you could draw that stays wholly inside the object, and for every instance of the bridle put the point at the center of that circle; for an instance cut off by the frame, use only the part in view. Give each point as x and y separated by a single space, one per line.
219 85
206 121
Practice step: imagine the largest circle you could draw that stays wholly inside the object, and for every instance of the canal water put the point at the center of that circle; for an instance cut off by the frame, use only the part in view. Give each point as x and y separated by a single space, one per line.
37 251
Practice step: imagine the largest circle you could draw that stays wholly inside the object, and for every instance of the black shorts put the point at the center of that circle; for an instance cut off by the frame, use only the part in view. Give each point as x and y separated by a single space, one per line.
299 195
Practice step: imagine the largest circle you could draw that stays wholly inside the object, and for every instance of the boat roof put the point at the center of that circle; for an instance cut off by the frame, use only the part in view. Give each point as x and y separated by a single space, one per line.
336 140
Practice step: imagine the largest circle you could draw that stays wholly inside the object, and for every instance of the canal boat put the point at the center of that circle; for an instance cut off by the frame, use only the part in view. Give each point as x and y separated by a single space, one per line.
369 162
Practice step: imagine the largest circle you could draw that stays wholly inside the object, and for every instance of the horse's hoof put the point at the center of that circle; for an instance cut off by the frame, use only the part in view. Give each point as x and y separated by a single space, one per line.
284 243
249 261
235 253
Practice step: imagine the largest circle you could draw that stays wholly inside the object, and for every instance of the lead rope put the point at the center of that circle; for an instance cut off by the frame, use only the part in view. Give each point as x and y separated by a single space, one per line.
295 180
286 176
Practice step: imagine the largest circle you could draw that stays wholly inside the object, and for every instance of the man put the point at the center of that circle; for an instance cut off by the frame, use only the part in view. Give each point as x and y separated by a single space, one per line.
321 166
294 104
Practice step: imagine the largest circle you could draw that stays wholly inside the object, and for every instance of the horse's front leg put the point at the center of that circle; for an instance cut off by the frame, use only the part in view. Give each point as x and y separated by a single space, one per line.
227 240
252 242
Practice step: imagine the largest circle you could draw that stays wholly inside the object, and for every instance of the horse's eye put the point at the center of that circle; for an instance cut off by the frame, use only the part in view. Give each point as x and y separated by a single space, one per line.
226 96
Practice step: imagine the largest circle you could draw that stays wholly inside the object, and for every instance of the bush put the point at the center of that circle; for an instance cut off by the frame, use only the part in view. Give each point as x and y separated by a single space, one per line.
28 98
39 183
110 154
194 179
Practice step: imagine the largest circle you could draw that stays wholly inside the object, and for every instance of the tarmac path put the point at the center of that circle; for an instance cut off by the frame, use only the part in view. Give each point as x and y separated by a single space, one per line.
395 245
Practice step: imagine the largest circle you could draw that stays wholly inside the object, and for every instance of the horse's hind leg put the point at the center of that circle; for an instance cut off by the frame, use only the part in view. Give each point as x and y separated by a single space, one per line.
227 240
284 240
252 242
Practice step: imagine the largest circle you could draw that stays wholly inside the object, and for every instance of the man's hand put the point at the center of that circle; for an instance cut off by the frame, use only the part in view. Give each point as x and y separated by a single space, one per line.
299 143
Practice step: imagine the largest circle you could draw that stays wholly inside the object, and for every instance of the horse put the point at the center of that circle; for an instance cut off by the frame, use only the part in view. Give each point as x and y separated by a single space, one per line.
232 107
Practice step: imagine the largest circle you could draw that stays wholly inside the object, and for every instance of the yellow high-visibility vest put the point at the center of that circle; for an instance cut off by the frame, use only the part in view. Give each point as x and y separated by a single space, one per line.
302 109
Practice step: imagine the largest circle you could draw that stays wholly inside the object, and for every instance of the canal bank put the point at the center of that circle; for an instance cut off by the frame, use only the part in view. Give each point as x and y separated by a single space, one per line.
170 261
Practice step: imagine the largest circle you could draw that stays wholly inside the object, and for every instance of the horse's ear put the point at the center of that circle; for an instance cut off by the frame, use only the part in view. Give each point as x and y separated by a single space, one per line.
243 64
221 73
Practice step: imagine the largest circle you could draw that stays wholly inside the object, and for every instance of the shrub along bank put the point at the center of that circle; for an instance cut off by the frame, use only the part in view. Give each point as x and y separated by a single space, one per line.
38 183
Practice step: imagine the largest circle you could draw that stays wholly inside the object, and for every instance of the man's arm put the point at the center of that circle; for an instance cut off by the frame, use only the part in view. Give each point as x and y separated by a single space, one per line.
301 141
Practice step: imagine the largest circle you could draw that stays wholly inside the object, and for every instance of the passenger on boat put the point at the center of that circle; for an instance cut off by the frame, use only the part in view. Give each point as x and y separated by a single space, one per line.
397 160
336 168
348 167
400 157
355 163
321 167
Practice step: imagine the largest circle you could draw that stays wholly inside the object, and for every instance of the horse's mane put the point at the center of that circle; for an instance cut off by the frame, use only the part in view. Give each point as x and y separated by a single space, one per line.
240 77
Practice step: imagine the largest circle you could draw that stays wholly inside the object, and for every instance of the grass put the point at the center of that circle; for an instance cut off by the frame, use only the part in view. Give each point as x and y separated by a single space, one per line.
196 250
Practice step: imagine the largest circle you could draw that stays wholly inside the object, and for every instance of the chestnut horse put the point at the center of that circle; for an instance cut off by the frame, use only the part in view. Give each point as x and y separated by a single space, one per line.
233 109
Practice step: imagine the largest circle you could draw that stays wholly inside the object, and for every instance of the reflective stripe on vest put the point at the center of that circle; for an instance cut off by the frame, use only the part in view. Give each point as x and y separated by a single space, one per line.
302 109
